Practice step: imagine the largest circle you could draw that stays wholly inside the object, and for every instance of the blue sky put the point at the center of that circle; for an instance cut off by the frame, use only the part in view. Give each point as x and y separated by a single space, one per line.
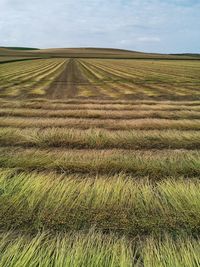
147 25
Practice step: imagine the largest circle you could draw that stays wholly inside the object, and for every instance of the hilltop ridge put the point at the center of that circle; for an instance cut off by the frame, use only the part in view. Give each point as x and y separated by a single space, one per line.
88 52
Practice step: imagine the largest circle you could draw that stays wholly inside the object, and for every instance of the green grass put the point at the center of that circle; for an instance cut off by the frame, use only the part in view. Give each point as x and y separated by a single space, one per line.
37 201
96 250
155 165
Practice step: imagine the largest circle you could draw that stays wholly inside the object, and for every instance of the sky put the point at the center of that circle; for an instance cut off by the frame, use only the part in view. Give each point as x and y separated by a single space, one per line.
171 26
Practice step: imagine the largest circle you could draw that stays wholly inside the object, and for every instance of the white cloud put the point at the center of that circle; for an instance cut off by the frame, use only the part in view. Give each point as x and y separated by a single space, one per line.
147 25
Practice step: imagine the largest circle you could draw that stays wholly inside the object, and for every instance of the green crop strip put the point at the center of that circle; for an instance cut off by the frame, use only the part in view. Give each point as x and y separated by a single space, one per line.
155 165
96 249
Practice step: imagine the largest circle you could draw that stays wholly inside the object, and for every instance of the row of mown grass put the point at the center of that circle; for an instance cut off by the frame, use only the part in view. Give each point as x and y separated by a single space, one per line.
50 105
96 250
37 201
99 138
156 165
90 101
100 114
66 123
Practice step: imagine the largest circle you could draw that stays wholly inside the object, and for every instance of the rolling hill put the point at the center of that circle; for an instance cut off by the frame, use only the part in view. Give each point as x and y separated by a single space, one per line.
88 52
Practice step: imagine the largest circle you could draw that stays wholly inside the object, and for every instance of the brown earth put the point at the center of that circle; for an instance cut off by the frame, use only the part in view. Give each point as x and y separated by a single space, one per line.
66 85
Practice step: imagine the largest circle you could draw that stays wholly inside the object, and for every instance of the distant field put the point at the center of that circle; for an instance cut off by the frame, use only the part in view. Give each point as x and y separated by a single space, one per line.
90 52
6 59
28 78
102 79
100 163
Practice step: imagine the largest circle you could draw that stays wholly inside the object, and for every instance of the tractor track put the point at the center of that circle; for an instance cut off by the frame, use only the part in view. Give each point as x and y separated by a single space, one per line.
66 85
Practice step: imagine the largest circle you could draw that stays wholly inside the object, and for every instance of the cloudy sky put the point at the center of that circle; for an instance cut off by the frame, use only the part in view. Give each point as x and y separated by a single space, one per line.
144 25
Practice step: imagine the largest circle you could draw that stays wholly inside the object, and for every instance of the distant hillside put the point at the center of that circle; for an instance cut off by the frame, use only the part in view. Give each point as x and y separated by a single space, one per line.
88 52
9 52
19 48
187 54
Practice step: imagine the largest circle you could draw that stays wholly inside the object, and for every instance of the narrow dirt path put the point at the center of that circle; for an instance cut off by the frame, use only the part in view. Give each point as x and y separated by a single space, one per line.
66 85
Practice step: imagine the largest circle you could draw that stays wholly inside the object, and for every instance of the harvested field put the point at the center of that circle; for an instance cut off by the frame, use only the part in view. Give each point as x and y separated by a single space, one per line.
28 78
104 79
100 163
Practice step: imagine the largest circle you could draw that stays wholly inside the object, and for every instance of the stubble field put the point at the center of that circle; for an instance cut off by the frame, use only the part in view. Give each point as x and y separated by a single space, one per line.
100 163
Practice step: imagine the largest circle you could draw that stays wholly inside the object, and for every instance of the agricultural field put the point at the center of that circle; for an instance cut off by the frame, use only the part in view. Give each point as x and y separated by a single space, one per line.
12 59
62 78
100 163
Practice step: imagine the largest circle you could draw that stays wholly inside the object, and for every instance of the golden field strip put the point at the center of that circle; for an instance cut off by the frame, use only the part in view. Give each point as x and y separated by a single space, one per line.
99 138
100 163
100 114
97 78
